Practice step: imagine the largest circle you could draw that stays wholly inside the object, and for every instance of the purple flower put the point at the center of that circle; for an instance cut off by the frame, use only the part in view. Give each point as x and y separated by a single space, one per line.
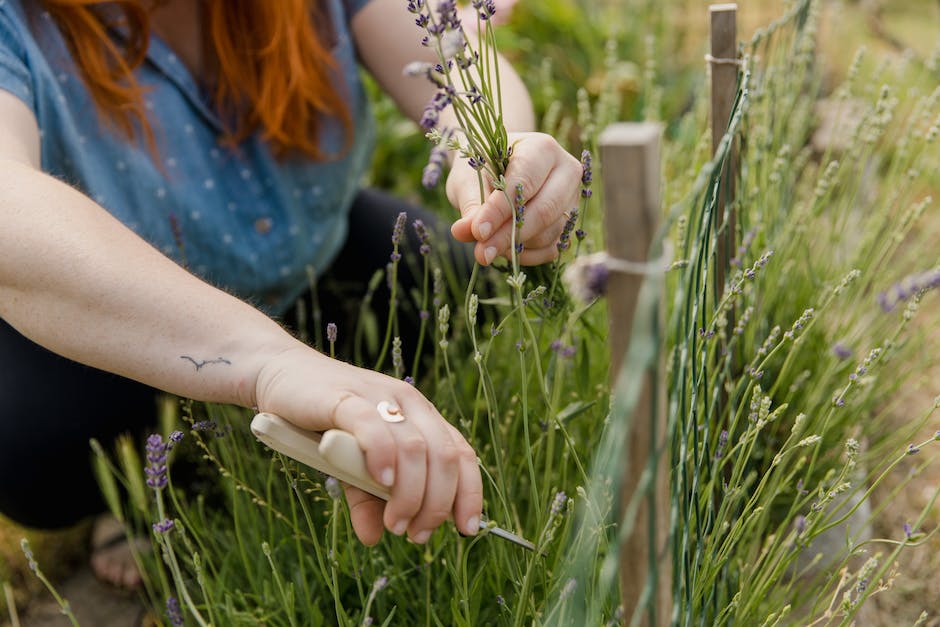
163 526
500 600
799 524
562 349
399 228
409 380
558 503
447 14
414 6
175 438
587 175
173 611
596 279
331 332
908 530
205 425
841 351
520 206
564 240
587 277
424 237
912 450
435 167
156 462
722 442
430 117
914 284
484 8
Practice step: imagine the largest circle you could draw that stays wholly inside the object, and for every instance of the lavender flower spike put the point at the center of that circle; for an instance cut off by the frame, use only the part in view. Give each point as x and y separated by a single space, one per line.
424 237
156 462
435 167
163 526
587 175
399 228
912 285
173 611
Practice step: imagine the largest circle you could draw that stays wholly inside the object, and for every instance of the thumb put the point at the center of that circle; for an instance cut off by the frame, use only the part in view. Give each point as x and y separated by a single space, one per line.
463 192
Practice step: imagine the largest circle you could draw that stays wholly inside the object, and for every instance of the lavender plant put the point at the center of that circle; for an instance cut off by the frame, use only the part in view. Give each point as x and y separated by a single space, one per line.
776 381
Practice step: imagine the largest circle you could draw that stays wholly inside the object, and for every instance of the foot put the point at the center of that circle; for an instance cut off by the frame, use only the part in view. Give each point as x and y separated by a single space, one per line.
112 556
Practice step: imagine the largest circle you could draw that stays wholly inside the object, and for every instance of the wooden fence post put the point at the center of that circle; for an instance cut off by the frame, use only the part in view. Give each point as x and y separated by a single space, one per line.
630 157
724 83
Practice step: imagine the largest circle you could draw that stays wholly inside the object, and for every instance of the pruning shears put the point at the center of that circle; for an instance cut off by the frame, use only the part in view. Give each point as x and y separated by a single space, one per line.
337 453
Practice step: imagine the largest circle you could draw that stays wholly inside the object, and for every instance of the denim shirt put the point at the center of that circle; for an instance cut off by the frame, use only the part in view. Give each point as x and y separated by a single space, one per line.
239 218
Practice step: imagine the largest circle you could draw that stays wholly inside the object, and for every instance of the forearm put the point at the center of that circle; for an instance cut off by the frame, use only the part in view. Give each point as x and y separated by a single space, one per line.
75 280
388 40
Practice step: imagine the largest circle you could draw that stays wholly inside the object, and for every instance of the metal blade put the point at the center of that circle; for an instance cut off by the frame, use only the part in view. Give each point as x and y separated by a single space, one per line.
506 535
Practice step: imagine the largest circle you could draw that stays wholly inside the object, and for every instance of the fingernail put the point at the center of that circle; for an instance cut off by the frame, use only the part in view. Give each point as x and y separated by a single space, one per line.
421 537
485 229
400 527
388 477
473 525
489 254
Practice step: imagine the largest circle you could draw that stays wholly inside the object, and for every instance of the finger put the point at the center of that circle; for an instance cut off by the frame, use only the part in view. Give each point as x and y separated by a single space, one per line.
411 445
365 512
461 230
501 243
463 192
443 470
360 417
468 505
538 256
534 159
549 235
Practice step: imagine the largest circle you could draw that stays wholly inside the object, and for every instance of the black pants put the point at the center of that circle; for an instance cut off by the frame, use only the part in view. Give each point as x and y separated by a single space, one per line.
50 406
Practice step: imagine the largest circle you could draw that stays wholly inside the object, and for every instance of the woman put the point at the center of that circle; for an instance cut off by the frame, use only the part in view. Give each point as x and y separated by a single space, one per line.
227 137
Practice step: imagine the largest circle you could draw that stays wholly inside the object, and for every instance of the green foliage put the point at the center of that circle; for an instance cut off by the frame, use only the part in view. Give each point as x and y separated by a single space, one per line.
775 379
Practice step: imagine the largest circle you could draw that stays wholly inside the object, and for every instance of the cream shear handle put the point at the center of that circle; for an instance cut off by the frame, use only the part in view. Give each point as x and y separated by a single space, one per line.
334 452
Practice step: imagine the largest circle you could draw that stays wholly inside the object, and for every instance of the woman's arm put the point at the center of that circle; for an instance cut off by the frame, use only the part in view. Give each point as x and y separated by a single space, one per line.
75 280
387 40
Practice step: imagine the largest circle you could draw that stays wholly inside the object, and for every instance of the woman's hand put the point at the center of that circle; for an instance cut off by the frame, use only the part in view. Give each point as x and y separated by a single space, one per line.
430 468
550 179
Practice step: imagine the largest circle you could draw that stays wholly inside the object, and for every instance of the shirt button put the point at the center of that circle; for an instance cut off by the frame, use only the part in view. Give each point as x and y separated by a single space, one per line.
263 225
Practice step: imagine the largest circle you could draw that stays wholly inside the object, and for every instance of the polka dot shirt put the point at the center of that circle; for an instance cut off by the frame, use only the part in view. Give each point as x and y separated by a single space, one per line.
240 218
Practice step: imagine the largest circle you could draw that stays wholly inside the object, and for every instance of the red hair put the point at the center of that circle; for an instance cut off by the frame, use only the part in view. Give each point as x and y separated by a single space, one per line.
275 71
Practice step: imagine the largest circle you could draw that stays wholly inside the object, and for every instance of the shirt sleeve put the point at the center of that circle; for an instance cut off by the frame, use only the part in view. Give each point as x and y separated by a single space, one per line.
15 76
353 6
